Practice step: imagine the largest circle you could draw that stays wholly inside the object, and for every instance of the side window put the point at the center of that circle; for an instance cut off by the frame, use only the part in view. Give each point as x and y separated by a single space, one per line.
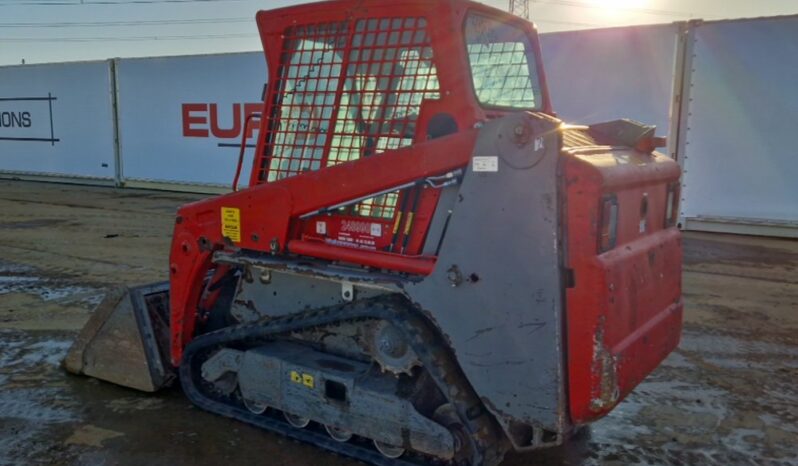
503 65
310 79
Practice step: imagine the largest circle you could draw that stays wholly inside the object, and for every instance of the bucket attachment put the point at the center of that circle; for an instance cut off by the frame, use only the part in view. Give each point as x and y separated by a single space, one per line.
126 340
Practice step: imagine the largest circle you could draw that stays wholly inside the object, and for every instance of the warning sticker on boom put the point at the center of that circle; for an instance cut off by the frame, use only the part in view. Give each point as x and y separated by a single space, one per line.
231 223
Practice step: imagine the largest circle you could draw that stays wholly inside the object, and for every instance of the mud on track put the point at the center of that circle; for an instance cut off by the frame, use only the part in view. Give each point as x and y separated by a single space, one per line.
727 396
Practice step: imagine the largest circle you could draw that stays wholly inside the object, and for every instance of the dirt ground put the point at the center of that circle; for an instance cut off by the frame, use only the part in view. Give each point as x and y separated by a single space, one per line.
727 396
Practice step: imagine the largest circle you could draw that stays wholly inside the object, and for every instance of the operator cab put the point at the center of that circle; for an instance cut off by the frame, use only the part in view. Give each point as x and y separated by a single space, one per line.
342 89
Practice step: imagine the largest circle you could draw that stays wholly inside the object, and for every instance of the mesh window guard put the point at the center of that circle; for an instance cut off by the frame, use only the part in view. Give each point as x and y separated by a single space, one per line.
349 91
502 64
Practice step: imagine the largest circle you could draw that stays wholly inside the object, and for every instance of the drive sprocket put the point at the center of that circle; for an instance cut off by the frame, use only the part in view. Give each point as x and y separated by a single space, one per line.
388 347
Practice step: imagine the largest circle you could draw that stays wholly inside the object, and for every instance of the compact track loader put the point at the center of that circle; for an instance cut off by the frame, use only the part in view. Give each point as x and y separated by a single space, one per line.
427 266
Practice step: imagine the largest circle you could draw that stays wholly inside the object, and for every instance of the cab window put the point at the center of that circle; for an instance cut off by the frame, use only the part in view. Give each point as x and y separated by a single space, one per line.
503 65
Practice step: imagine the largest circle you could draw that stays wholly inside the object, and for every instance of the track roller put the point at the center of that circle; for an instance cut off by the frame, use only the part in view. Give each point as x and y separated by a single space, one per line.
389 451
338 434
297 421
254 407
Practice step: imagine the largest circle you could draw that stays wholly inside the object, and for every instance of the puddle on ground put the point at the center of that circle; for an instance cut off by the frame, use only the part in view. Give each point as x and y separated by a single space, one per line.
92 436
48 289
30 300
32 402
22 352
132 404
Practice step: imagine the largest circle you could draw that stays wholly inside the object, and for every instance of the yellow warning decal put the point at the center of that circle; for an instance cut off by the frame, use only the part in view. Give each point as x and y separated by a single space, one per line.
295 377
304 379
231 223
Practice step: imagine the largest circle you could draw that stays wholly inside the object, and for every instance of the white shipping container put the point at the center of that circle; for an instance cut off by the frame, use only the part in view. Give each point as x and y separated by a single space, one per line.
56 120
181 118
738 153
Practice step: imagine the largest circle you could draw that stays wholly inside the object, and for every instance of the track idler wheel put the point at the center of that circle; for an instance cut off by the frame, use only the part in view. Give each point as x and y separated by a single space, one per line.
446 415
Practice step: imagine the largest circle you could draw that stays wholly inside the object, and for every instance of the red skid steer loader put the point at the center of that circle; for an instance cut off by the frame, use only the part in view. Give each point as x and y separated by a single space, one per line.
427 266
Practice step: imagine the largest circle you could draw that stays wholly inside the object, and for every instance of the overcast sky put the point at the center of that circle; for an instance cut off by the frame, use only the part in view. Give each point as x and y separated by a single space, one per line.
69 30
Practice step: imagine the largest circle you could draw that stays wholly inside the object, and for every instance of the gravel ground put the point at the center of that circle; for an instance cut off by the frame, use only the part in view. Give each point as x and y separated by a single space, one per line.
727 396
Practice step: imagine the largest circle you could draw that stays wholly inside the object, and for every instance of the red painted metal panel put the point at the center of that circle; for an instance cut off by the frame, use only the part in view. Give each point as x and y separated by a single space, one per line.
623 314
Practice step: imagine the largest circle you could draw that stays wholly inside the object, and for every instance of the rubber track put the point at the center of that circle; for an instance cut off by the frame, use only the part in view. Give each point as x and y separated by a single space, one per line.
435 357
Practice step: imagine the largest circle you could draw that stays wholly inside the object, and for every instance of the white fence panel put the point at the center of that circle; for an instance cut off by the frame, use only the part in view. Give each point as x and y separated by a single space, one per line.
606 74
740 157
57 120
181 118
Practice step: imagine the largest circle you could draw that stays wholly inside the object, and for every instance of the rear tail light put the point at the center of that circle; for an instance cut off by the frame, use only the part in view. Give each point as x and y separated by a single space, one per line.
608 229
672 205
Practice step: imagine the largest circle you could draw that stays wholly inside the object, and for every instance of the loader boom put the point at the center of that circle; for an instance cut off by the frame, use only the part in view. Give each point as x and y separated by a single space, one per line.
200 227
